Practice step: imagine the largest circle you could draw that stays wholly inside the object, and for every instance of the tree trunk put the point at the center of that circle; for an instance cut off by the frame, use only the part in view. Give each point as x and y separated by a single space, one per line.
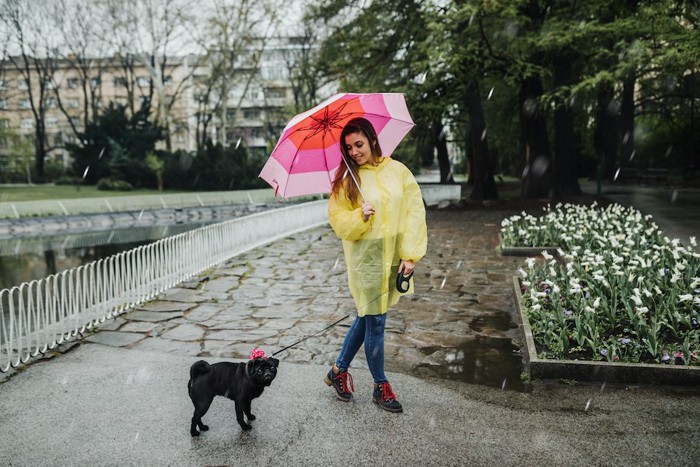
606 130
627 121
440 141
484 186
565 152
533 134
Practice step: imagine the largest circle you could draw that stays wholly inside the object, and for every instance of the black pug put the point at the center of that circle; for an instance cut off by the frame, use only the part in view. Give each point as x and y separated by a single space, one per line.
240 382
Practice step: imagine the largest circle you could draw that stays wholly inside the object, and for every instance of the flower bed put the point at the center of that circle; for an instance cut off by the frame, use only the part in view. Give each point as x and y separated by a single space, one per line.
618 292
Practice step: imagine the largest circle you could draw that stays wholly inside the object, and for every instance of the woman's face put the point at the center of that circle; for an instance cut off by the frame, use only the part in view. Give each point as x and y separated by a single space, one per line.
359 148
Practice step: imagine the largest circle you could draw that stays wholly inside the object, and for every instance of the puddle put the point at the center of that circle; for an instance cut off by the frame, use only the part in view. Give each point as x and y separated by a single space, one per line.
498 321
490 361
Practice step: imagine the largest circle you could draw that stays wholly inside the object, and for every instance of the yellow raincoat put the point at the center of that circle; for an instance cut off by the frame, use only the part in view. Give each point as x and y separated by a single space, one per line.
374 249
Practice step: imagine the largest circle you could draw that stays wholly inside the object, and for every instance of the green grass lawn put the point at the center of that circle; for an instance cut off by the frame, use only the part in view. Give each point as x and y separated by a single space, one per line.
37 192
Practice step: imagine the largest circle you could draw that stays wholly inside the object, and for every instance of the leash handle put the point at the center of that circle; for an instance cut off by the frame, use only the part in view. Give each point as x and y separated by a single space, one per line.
312 335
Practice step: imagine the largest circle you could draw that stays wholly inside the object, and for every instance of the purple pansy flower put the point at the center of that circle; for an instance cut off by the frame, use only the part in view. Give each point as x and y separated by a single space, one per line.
665 358
568 312
604 352
625 340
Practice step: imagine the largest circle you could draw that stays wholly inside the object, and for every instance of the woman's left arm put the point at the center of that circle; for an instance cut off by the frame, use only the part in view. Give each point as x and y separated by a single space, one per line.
414 231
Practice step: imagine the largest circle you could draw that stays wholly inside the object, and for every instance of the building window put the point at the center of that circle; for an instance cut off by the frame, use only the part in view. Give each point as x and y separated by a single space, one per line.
51 102
251 114
27 123
143 81
275 93
75 121
51 122
95 82
73 103
168 80
3 104
23 84
120 82
4 123
2 84
4 144
25 104
72 83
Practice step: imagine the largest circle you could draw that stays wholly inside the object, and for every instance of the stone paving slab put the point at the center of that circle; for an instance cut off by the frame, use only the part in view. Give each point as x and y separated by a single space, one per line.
265 298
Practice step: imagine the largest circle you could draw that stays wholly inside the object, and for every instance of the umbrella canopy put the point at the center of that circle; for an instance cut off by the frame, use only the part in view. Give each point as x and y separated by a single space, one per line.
307 154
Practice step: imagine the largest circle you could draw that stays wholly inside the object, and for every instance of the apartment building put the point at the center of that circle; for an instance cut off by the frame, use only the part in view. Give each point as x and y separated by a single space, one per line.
256 109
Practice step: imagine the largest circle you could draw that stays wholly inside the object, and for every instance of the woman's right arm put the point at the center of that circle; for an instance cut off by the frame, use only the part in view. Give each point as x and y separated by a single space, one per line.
347 221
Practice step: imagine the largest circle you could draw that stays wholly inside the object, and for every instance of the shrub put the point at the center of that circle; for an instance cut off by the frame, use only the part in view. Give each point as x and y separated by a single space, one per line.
108 184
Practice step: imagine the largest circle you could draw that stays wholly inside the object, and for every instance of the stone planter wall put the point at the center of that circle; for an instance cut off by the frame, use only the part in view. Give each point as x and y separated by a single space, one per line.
528 251
598 371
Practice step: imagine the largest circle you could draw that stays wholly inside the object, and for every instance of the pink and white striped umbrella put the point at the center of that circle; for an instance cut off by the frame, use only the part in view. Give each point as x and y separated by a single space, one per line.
307 154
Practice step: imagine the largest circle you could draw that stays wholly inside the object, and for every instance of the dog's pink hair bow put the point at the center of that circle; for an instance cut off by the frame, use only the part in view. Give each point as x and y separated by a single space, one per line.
257 353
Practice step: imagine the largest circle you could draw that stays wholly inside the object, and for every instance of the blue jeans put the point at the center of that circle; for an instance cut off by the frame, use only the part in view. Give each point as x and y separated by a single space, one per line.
370 330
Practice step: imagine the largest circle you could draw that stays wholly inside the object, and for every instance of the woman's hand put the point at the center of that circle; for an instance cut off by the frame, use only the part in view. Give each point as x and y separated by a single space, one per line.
367 211
406 267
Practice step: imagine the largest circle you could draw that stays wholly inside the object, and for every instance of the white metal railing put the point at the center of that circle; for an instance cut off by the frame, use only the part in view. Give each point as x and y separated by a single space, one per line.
65 207
39 315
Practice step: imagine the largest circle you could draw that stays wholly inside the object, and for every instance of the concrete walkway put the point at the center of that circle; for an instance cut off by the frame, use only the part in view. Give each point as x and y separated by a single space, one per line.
452 350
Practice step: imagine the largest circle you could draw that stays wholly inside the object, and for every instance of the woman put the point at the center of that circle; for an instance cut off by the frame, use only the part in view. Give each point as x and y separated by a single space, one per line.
383 234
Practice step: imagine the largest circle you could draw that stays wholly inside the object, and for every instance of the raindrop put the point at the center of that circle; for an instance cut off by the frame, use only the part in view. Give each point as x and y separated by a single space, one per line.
64 381
336 263
626 138
674 196
572 101
616 174
471 19
613 107
432 422
375 351
668 151
503 386
530 106
238 143
602 387
588 404
540 166
101 154
269 303
441 136
226 393
525 172
140 214
490 94
443 283
137 437
86 171
459 263
483 134
632 155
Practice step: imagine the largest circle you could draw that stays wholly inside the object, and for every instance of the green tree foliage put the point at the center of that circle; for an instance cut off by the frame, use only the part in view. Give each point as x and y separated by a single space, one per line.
563 86
115 147
212 169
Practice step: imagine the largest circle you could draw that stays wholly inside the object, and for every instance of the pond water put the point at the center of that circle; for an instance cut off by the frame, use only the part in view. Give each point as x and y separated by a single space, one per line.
33 256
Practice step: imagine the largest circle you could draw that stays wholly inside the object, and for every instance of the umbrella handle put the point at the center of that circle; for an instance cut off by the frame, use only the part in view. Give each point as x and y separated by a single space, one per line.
353 177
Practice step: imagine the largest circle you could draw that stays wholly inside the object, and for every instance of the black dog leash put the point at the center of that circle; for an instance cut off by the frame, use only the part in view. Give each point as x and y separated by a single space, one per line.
312 335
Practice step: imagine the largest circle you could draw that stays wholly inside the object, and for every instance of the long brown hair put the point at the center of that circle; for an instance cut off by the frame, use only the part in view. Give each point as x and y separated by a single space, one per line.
342 178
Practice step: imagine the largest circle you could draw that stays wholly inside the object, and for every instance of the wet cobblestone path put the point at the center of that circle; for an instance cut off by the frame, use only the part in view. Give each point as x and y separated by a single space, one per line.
459 325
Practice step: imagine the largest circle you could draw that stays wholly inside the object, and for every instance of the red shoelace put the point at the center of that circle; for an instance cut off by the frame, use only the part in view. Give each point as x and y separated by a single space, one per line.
345 378
387 392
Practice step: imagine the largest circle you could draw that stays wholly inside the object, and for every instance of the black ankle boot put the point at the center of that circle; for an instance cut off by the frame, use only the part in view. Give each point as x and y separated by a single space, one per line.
385 398
342 383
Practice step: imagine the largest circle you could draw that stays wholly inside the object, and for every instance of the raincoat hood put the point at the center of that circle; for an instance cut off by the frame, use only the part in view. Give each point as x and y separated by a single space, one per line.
397 231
